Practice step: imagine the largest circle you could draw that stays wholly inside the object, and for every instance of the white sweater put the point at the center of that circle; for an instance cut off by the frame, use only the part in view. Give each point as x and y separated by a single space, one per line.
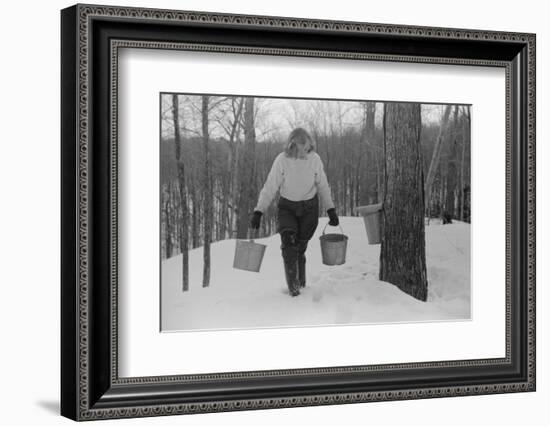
297 179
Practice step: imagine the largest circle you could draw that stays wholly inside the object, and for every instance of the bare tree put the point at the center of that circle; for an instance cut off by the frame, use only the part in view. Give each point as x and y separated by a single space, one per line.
248 190
465 141
434 164
450 182
373 165
207 185
167 211
403 254
184 233
234 170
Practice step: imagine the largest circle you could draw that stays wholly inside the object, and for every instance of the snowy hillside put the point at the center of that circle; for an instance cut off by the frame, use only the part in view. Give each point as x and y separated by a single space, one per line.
345 294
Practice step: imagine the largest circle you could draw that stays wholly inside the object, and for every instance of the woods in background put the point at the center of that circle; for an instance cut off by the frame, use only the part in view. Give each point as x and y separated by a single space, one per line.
216 152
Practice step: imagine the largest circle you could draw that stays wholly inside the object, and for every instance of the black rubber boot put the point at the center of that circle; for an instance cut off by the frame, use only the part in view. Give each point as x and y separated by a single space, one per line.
302 263
291 274
289 250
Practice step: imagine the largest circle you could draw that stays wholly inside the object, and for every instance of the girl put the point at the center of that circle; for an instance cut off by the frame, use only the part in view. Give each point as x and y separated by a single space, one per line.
299 176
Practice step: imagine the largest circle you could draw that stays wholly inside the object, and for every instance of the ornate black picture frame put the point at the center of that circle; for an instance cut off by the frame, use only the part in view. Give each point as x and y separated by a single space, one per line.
90 385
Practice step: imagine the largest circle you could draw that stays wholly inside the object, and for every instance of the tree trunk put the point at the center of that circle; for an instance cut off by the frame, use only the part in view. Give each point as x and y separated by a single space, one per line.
183 197
402 254
207 185
451 185
175 216
224 207
235 188
167 221
450 212
247 190
465 139
234 140
195 210
379 169
461 176
435 156
370 132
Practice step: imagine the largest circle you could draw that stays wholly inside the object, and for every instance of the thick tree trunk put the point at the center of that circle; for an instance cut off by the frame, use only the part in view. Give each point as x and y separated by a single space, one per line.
247 190
207 185
402 254
183 197
461 182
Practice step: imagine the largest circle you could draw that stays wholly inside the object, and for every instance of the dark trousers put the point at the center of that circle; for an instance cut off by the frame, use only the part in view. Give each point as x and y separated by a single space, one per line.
297 222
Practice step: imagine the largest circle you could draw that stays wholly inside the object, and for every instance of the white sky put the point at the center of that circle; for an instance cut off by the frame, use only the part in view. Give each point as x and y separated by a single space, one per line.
276 117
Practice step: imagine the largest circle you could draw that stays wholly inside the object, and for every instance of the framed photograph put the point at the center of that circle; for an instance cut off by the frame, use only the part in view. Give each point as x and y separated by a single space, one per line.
263 212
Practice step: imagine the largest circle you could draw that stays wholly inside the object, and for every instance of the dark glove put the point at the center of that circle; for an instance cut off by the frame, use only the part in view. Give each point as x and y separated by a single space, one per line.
333 217
255 219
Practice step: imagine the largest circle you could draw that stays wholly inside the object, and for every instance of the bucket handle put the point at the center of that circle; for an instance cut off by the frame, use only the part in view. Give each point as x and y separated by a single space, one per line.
340 226
251 233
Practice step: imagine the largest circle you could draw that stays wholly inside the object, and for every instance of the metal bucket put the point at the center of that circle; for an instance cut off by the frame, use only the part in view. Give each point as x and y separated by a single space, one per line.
333 247
372 216
248 255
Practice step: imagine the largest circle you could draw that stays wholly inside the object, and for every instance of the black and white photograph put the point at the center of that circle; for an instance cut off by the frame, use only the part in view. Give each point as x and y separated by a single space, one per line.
276 210
298 212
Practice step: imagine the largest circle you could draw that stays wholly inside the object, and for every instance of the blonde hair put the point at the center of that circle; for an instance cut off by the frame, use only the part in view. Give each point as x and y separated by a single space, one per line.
298 136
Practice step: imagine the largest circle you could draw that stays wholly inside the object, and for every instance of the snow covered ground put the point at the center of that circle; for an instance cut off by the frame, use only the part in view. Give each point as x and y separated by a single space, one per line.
346 294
